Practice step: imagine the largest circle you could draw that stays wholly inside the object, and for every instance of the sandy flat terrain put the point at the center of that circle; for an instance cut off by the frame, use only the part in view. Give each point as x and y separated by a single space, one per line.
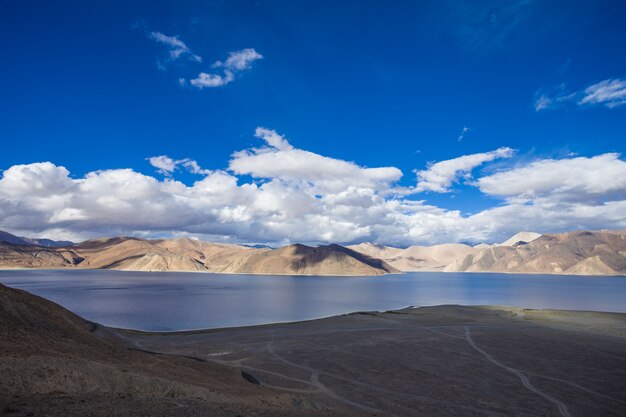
443 361
435 361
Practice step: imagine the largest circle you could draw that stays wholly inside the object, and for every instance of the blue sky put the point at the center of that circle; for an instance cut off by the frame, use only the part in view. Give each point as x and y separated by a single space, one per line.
90 87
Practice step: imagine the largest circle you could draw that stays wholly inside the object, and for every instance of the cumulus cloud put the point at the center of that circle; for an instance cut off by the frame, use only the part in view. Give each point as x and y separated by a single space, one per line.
581 179
236 62
309 198
279 160
439 176
544 216
609 93
176 47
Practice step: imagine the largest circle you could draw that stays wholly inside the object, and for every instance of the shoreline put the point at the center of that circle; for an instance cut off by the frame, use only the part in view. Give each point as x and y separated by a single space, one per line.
392 310
2 268
397 293
413 309
9 268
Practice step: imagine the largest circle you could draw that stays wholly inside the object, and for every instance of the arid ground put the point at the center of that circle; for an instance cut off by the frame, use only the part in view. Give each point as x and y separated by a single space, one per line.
435 361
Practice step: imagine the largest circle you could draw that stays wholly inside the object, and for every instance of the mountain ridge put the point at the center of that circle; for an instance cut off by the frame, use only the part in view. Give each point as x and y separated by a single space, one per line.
184 254
571 253
20 240
575 253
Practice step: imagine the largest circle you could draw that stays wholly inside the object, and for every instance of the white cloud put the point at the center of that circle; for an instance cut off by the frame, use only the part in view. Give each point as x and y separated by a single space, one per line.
272 138
306 197
224 72
464 131
193 167
610 93
43 178
239 60
236 62
166 165
543 102
548 99
543 216
175 46
279 160
205 80
440 176
581 179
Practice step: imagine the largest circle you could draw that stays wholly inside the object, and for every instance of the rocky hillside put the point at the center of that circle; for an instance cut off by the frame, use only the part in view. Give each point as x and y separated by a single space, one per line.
575 253
31 256
520 239
53 362
132 254
305 260
419 258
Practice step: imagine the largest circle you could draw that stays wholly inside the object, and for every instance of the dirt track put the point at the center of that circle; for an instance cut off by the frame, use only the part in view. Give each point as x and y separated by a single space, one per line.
445 360
435 361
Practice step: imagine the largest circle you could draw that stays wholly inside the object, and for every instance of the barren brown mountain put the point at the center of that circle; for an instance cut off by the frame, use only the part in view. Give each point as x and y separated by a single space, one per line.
576 253
420 258
127 253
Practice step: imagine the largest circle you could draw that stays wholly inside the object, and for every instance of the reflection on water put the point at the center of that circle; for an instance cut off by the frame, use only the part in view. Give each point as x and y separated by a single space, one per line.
178 301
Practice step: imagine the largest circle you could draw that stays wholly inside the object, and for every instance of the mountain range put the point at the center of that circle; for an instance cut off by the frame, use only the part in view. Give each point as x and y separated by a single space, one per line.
184 254
572 253
575 253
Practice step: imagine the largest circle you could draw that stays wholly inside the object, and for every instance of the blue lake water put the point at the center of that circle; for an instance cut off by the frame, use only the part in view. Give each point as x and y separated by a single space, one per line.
167 301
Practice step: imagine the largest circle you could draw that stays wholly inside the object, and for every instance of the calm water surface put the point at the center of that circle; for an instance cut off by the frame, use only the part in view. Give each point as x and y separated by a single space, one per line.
178 301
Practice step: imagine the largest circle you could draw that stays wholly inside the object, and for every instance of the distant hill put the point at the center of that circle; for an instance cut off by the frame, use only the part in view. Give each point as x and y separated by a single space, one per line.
18 240
520 238
133 254
260 246
376 251
9 238
306 260
48 243
577 253
418 258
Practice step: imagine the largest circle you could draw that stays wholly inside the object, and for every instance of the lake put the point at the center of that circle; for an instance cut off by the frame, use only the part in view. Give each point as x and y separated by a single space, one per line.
167 301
